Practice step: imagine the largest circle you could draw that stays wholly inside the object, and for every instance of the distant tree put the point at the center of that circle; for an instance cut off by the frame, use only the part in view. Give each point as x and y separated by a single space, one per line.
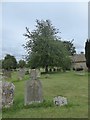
44 48
70 47
9 62
21 63
87 53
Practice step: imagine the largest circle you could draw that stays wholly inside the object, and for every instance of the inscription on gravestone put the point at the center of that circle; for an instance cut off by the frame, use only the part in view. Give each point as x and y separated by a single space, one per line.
33 92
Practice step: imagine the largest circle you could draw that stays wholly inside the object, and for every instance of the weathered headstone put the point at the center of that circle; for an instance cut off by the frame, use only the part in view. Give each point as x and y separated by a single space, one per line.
38 74
7 73
33 74
21 73
60 101
6 94
33 92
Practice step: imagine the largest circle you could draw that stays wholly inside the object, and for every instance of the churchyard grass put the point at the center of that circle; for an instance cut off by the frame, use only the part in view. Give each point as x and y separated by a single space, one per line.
68 84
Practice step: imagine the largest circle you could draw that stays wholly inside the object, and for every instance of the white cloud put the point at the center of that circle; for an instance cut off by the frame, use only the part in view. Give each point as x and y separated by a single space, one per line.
70 18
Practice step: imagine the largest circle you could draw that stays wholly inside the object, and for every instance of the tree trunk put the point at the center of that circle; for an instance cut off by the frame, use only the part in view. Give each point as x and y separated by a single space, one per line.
46 68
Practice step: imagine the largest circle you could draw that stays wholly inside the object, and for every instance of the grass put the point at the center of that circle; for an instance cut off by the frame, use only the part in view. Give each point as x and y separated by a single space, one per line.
68 84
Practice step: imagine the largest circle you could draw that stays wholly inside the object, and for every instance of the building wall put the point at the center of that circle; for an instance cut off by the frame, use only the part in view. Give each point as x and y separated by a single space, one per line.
79 61
80 65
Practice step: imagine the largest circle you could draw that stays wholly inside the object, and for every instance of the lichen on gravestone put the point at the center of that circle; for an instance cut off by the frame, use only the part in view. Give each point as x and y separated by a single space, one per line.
6 94
60 101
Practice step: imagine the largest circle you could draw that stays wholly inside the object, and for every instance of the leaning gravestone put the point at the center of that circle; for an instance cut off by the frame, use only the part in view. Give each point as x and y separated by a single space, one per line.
21 73
33 92
6 94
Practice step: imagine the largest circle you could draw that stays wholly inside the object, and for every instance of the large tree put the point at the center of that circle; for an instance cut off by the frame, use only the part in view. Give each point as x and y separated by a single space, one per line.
87 53
70 47
9 62
44 47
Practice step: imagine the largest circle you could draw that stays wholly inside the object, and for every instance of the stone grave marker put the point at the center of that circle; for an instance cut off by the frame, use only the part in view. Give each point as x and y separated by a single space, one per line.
38 74
60 101
21 73
33 90
7 73
6 94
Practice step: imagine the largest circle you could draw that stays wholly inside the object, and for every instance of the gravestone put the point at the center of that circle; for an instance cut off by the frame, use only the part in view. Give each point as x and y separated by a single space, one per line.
33 91
21 73
7 73
60 101
6 94
38 74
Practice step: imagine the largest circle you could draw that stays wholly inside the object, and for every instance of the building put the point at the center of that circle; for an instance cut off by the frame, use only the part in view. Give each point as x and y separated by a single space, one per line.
79 61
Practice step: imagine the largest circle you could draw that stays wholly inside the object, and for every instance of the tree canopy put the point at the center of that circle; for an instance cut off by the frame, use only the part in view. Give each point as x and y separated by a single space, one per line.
9 62
70 47
44 47
21 63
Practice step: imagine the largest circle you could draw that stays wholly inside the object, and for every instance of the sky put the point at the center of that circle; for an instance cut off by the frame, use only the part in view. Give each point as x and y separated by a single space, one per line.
71 18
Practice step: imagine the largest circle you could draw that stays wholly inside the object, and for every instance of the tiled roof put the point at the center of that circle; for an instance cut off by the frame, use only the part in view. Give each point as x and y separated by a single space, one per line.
79 58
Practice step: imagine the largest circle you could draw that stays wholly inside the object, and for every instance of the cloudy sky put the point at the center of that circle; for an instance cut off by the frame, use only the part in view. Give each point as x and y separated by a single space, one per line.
71 18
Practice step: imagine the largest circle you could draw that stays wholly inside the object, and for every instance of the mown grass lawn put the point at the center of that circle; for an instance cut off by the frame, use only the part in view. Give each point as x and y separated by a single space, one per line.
68 84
